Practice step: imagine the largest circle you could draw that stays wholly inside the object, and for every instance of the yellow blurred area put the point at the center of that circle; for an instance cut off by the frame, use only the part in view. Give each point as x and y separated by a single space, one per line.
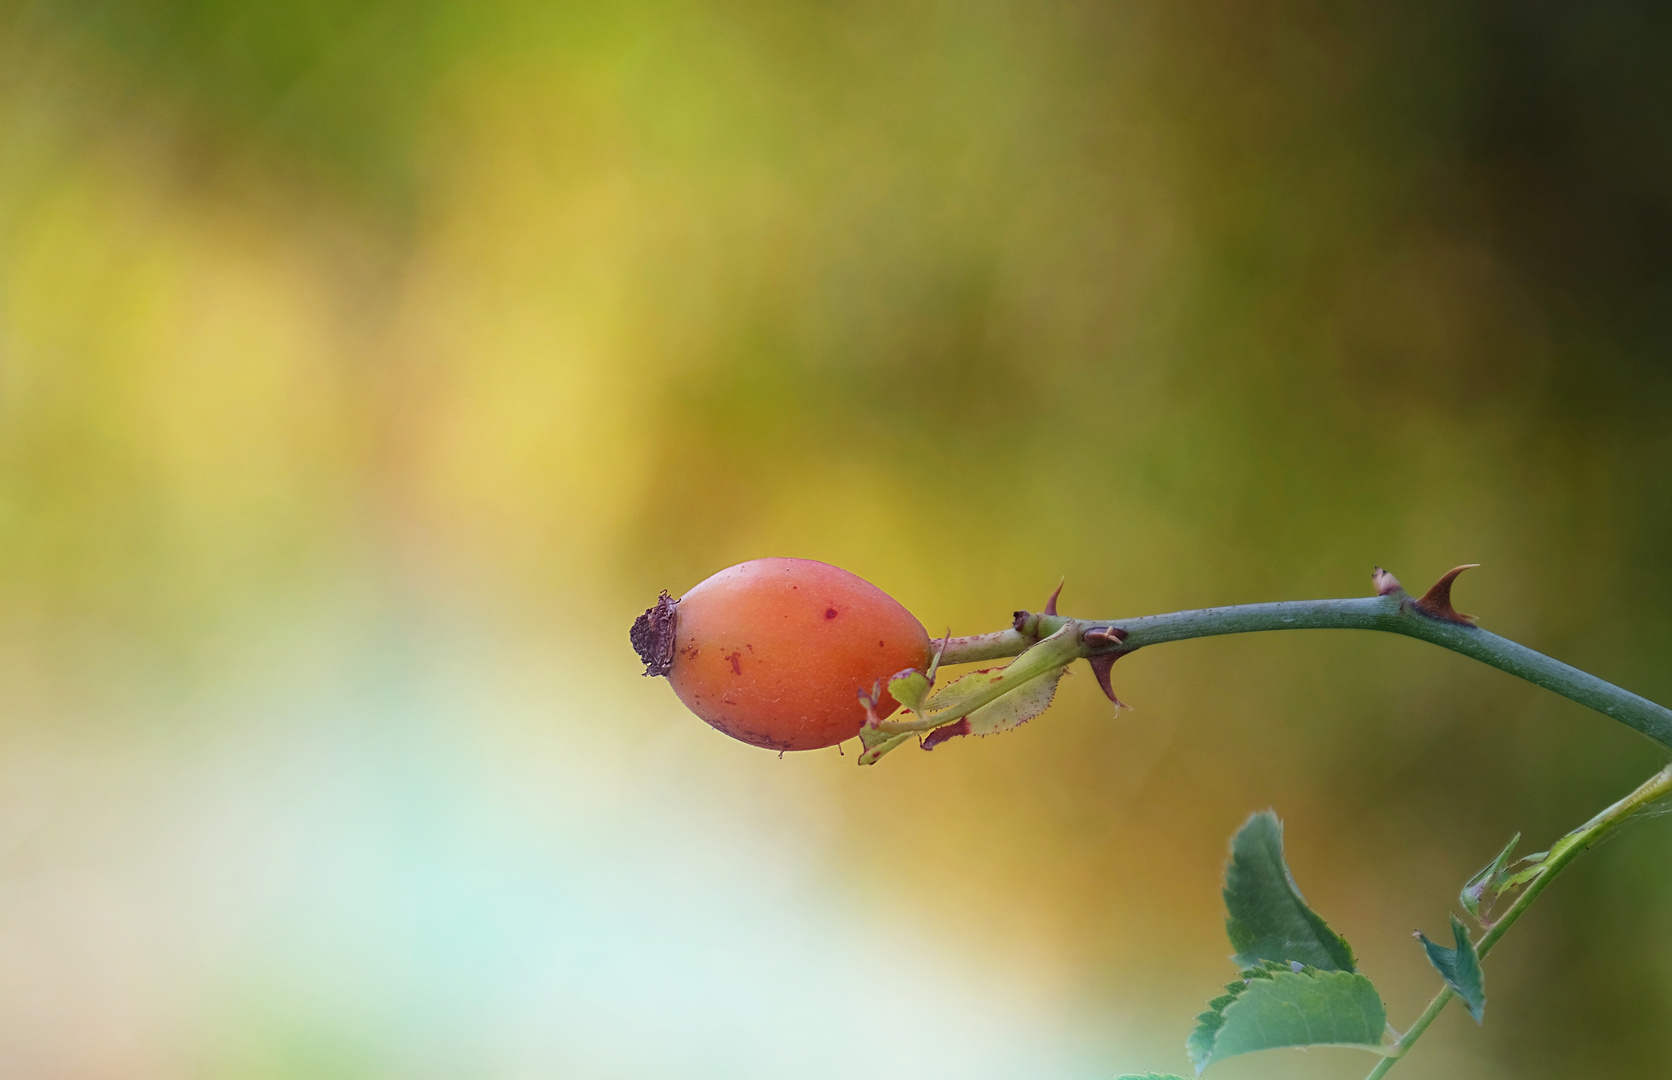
365 370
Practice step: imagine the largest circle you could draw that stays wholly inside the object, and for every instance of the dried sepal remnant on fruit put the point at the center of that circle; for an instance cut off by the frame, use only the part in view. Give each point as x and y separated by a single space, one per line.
654 634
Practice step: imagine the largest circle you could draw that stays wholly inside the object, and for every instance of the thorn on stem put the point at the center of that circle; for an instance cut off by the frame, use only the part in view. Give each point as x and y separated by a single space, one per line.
940 650
1101 665
1436 602
1386 584
1051 604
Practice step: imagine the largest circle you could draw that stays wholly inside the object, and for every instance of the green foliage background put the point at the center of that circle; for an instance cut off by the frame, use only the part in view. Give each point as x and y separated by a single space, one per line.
365 368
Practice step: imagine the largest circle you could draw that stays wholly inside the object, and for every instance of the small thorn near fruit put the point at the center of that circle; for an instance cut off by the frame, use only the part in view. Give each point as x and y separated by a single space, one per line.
779 652
1436 602
1051 604
1386 584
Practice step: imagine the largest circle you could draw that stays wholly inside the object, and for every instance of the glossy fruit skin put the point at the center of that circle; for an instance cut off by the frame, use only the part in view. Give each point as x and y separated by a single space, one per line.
775 651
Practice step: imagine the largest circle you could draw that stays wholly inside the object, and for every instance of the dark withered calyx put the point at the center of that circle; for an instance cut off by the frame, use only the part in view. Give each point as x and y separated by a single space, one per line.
653 635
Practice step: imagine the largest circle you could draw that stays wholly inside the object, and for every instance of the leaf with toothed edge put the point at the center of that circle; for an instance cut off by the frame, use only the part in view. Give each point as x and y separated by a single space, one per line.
948 701
1033 676
1274 1006
977 689
1539 861
874 741
1269 919
877 743
1459 967
910 688
1533 868
1014 709
1490 880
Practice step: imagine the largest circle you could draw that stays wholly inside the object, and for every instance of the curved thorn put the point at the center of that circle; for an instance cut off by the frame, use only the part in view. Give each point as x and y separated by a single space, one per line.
1436 602
1051 604
1101 664
940 650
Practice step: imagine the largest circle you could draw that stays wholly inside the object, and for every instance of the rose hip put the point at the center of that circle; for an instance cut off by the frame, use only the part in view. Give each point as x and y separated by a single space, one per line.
775 651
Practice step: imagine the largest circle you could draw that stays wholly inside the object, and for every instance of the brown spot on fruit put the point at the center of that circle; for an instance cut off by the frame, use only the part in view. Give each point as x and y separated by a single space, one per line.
831 613
736 661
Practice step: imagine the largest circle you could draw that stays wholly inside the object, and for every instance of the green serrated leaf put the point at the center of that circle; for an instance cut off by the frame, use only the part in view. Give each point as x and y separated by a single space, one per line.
1018 706
966 690
1533 868
1274 1006
1489 880
1269 919
1537 862
1459 967
1030 679
971 691
910 687
877 743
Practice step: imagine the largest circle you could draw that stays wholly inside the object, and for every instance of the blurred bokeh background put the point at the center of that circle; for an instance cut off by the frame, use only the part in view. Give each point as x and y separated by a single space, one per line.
365 368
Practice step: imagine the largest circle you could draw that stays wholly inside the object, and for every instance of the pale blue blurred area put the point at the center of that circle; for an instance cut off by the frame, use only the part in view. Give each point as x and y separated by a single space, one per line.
385 856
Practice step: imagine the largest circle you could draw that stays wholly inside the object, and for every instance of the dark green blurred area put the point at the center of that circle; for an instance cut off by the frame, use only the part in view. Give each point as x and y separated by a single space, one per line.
1193 304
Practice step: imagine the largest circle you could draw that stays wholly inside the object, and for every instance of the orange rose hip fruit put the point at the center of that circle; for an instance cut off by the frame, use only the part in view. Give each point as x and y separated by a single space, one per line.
775 651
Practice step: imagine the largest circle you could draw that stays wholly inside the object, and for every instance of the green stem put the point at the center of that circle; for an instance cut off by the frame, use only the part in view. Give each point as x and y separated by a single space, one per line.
1395 613
1054 652
1586 836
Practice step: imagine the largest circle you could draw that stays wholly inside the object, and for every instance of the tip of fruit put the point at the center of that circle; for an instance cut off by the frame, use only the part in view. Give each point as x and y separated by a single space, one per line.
653 635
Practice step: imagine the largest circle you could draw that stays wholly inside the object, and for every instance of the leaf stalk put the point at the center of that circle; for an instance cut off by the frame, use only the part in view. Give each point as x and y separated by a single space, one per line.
1586 836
